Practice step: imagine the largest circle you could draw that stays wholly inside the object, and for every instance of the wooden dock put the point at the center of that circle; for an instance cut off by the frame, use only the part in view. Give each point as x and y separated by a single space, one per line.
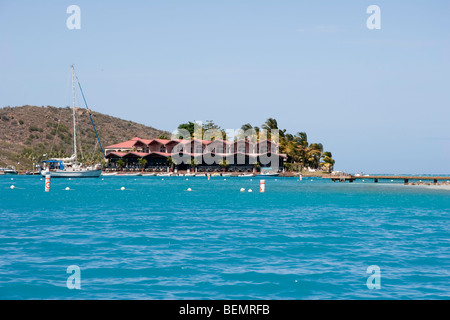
406 179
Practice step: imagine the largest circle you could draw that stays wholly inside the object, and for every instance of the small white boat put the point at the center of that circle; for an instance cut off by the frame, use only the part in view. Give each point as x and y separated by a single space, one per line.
189 175
165 174
133 174
9 170
107 174
246 175
200 175
268 175
226 174
149 174
72 173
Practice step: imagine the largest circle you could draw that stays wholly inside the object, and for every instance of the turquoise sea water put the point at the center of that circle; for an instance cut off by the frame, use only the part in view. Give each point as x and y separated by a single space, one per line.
154 240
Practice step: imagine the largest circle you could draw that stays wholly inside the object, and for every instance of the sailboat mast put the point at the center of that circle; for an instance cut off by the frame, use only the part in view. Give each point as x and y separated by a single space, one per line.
74 122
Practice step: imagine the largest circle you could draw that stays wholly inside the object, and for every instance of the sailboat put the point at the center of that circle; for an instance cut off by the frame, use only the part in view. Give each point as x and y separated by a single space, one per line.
69 167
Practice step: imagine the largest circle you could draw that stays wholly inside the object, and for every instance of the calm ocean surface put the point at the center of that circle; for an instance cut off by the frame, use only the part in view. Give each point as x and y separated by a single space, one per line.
299 240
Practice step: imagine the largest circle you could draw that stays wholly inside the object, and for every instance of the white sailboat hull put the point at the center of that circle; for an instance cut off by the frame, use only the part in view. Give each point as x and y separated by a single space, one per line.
73 173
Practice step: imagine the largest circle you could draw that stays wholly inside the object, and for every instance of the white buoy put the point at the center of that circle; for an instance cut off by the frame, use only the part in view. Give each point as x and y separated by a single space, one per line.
262 185
70 178
189 189
242 190
224 179
67 189
392 180
276 180
12 179
47 183
250 190
12 187
122 188
162 179
187 179
251 179
103 179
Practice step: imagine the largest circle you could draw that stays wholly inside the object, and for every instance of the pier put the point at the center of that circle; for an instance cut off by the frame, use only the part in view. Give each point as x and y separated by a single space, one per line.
376 179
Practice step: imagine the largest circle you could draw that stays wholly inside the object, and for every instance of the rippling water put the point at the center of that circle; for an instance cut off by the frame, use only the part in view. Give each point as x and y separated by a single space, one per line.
310 239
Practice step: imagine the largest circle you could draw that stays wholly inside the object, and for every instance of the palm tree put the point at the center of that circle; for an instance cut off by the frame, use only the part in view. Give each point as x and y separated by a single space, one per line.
142 162
194 163
246 127
270 123
256 166
328 161
120 164
313 155
171 163
224 164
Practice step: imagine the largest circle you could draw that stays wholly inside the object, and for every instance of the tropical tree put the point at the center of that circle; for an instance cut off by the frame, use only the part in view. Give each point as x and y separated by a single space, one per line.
272 124
120 164
193 163
210 125
327 161
224 164
142 163
171 162
189 126
256 165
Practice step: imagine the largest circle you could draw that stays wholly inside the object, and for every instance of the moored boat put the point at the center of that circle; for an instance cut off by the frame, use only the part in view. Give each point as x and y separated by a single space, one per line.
165 174
108 174
268 175
69 167
133 174
9 170
246 175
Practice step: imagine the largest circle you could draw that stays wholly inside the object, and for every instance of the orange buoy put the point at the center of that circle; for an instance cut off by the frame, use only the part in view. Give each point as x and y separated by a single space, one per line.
47 183
262 186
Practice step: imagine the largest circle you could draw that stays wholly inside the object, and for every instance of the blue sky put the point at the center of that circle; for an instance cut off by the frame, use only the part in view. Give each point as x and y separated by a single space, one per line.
379 100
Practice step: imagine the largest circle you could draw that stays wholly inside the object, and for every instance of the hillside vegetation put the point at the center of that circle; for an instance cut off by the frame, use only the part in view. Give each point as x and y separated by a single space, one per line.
28 133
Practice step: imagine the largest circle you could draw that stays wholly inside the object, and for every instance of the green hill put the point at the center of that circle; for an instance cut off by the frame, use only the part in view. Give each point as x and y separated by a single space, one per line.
29 132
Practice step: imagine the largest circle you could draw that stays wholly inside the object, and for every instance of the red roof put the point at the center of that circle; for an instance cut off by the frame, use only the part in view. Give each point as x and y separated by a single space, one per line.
161 141
131 143
126 144
119 154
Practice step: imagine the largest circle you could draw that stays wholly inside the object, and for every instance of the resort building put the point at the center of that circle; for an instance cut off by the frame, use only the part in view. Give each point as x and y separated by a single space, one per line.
204 155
